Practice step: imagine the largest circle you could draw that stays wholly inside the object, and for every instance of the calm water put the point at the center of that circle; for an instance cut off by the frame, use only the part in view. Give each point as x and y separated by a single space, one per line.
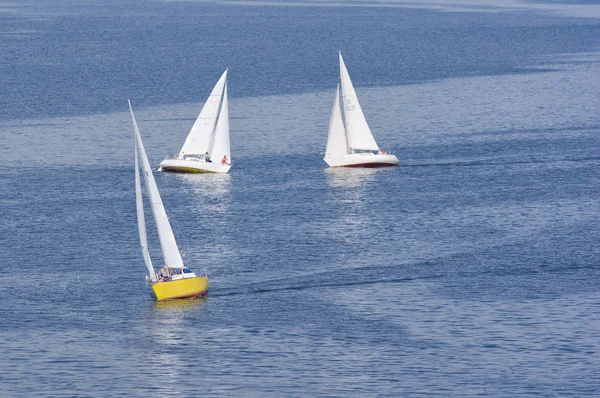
472 269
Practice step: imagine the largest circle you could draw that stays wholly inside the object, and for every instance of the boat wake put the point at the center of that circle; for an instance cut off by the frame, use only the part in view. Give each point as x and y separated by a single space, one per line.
324 280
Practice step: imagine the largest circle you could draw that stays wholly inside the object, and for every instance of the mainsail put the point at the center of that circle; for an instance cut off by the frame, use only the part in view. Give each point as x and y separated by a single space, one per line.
359 133
220 144
168 244
199 139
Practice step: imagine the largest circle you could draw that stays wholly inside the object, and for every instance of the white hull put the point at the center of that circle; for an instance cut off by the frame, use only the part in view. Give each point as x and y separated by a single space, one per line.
366 159
193 166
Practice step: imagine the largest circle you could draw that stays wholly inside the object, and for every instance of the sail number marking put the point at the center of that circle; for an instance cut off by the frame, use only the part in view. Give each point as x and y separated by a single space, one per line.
348 106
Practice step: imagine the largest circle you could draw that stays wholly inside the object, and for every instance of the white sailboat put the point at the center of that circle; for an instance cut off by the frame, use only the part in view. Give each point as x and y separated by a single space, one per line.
350 142
174 280
206 149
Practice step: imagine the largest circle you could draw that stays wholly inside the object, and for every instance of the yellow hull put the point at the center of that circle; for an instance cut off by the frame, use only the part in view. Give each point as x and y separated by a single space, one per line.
181 288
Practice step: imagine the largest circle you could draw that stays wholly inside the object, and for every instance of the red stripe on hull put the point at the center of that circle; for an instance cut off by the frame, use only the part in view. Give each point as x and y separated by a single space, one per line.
371 165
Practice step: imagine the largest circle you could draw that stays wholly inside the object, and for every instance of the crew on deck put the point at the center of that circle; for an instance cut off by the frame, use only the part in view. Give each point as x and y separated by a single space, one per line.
164 273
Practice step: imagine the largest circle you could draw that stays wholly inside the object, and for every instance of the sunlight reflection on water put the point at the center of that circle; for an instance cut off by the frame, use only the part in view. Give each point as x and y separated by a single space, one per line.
452 110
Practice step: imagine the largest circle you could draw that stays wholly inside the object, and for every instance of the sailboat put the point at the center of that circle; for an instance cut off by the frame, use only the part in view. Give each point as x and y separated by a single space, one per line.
350 142
174 280
206 149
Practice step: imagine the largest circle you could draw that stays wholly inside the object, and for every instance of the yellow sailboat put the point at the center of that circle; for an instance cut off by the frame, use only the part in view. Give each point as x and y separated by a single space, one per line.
188 287
174 280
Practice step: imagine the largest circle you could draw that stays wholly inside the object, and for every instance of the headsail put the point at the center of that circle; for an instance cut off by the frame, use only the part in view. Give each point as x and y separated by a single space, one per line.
336 140
139 204
359 133
199 139
165 233
220 146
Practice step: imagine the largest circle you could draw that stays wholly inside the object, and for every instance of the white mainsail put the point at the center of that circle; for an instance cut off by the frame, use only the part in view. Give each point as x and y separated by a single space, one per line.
359 133
168 244
336 139
220 145
199 139
139 204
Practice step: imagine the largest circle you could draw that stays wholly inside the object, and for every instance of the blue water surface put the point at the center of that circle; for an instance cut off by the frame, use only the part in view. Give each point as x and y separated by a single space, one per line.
63 58
470 270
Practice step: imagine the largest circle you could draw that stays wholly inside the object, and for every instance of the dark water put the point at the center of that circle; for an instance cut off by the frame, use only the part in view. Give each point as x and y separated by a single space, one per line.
66 59
470 270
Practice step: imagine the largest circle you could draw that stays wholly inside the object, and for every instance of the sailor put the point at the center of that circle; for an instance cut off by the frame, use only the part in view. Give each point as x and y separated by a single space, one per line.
224 160
162 274
207 157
